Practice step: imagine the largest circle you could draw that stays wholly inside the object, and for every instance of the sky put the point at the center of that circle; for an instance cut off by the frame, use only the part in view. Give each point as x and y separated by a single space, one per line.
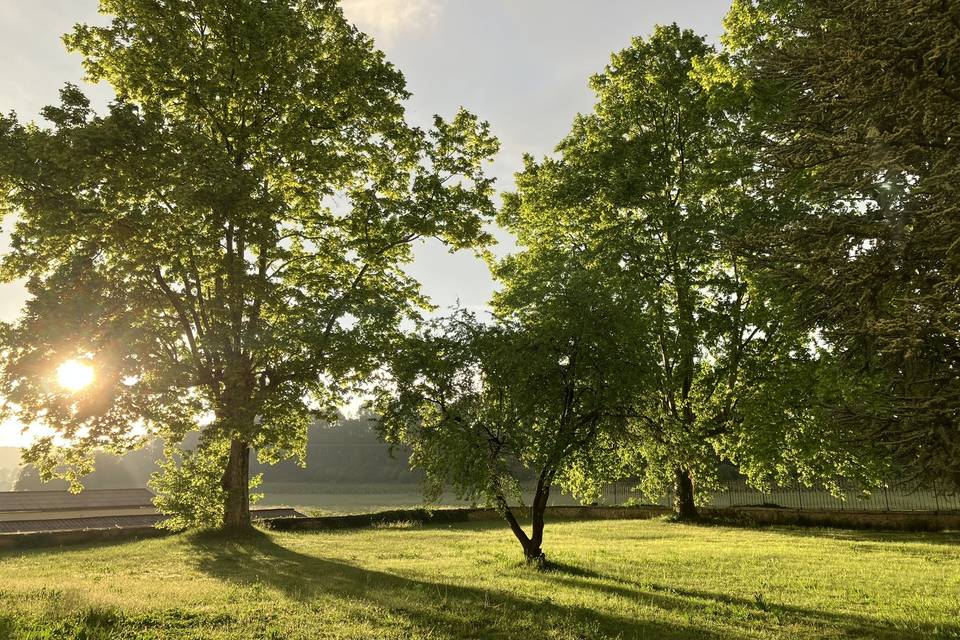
523 65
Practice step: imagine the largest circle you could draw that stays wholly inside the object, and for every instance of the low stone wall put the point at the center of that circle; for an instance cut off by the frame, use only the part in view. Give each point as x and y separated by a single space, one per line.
76 536
449 516
740 516
886 520
743 516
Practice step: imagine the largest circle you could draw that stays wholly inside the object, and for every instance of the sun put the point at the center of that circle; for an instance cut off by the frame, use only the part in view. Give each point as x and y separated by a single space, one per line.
74 375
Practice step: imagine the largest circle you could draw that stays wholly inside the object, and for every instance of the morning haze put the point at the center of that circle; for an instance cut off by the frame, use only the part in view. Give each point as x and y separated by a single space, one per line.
716 345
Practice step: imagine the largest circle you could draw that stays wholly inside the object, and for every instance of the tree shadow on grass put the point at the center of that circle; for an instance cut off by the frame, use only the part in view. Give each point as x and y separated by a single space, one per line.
756 607
948 538
945 538
433 609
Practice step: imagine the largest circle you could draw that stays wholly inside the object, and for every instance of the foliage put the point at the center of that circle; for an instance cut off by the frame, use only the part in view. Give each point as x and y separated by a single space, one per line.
227 241
544 389
655 186
187 484
348 451
855 114
112 473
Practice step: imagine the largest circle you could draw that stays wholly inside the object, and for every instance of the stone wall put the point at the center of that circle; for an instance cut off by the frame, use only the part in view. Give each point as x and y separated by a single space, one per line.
741 516
76 536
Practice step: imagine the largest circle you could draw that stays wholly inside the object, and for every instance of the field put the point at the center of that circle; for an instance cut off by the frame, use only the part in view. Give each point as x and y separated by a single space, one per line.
341 498
613 579
337 498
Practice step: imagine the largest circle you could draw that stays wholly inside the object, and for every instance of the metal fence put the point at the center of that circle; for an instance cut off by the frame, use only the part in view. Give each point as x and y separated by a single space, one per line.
737 493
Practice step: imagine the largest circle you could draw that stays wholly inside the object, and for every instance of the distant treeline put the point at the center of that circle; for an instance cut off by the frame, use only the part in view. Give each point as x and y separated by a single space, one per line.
349 452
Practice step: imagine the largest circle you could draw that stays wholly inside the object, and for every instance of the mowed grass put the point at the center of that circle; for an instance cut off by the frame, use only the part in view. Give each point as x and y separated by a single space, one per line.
612 579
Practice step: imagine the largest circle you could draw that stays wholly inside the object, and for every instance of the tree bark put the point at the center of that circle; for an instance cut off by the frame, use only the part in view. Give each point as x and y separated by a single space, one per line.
532 552
685 508
236 487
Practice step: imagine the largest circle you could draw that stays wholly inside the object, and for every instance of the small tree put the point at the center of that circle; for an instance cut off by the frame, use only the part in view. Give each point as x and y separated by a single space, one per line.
546 390
225 245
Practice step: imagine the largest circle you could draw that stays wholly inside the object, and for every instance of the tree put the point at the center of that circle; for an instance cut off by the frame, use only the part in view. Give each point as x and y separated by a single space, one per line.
657 186
545 390
856 113
225 246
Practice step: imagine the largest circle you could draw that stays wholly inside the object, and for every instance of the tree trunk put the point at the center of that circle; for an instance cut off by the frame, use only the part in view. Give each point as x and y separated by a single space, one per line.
236 487
684 506
534 552
530 544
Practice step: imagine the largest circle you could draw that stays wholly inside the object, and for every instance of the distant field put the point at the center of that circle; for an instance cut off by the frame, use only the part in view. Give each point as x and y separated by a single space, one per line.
615 579
335 498
358 498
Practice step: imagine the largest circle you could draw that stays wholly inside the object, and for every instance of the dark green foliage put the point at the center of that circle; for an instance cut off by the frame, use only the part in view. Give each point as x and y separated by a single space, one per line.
856 113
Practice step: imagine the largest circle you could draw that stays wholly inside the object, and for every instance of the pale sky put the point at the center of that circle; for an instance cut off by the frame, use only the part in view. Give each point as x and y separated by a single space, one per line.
523 65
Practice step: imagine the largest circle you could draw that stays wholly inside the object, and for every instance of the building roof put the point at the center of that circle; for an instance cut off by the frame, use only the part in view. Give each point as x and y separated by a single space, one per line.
27 501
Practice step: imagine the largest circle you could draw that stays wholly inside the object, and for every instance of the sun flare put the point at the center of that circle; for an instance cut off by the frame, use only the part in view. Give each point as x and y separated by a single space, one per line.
74 375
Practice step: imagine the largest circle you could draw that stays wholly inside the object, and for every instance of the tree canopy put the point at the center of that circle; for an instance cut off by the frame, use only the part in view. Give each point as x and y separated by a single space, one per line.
856 116
657 186
225 245
747 254
544 389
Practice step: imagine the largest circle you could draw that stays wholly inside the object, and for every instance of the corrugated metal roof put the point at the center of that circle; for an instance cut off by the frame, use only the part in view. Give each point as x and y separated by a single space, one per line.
118 521
65 501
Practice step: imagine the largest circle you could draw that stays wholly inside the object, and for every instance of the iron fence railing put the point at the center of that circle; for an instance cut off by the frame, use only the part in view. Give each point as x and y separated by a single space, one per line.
737 493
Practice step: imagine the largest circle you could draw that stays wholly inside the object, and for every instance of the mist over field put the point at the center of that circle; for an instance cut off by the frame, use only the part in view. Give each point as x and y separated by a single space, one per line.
346 454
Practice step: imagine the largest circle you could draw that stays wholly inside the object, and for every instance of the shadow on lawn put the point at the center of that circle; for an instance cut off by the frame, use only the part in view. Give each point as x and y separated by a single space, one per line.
437 610
949 538
946 538
673 598
457 612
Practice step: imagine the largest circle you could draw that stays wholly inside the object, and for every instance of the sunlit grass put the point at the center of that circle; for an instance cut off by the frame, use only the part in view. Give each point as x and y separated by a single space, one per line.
627 579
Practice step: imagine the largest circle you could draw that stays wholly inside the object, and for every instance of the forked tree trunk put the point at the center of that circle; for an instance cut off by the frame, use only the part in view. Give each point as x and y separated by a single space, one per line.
532 544
685 507
236 487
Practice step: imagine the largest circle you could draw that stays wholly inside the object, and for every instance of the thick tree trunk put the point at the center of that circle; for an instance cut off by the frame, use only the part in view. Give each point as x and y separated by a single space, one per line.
685 507
532 551
236 487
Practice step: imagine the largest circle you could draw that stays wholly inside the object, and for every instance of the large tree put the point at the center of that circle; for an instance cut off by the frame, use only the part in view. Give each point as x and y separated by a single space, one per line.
857 113
657 184
225 245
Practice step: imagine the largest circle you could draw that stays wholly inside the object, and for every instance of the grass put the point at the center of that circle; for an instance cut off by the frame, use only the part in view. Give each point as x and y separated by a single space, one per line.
612 579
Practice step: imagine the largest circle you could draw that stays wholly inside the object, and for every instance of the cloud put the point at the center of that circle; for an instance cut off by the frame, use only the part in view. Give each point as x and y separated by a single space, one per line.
388 18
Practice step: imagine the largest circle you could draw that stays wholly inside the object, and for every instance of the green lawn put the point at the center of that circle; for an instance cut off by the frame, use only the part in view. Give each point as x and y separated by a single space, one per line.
626 579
